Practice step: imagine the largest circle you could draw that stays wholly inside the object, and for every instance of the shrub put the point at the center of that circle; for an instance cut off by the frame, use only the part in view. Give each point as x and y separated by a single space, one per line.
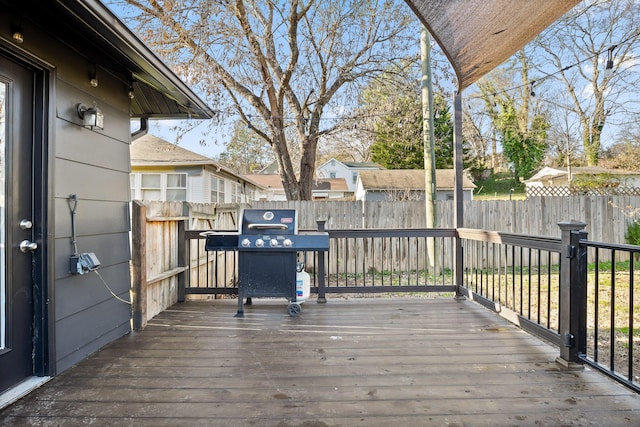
632 236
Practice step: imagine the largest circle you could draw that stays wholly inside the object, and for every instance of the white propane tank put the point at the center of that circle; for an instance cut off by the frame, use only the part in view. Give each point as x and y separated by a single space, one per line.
303 284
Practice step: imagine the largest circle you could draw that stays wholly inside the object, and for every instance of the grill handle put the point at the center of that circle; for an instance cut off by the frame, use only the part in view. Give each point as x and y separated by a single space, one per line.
268 226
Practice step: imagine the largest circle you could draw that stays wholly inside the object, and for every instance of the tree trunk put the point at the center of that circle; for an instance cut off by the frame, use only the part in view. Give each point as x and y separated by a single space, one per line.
307 168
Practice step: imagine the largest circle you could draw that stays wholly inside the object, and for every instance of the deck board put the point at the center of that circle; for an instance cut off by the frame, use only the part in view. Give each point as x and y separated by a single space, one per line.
365 362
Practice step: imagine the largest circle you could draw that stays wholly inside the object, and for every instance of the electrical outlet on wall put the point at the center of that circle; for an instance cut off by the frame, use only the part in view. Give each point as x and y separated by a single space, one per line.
84 263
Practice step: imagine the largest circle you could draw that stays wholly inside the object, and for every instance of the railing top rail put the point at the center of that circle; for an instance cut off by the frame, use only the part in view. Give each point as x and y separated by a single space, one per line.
617 246
359 232
552 244
393 232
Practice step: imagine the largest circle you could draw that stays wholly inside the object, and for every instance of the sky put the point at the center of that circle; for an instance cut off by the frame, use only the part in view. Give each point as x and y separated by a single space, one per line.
192 140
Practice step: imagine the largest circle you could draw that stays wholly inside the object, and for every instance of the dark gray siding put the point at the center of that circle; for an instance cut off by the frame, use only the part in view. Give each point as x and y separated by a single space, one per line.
95 166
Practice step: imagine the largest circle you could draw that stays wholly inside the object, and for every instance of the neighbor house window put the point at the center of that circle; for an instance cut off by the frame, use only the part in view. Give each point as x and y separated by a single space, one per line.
150 186
354 177
236 192
176 187
332 174
217 189
159 186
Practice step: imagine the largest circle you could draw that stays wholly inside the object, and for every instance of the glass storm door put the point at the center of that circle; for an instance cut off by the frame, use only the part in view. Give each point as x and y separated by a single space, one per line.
16 234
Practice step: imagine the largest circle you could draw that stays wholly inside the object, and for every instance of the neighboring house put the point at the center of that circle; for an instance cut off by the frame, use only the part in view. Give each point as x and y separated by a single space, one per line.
322 188
164 171
271 169
272 185
560 177
408 184
71 78
348 170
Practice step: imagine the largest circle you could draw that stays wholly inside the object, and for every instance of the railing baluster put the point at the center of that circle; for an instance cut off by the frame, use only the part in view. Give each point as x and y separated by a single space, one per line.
596 321
631 313
612 302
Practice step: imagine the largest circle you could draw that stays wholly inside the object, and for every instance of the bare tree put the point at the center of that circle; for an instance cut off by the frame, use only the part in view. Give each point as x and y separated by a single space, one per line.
593 50
279 65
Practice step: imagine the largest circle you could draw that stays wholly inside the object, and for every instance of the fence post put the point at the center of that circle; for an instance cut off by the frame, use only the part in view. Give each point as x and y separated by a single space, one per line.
139 264
573 294
321 269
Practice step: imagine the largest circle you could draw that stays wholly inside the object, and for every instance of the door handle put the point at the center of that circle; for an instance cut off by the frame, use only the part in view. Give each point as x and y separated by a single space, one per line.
28 246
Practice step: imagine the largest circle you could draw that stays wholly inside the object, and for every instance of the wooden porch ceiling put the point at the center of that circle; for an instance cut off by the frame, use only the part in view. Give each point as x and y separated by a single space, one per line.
369 362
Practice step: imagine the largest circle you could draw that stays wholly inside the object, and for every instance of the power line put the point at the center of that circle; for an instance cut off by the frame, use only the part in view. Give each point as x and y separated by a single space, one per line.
609 65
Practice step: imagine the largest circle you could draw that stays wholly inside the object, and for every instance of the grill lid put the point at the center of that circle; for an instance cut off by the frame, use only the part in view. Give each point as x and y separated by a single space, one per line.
275 221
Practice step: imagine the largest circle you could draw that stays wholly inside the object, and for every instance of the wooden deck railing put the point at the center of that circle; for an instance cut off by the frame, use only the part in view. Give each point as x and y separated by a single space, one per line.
552 287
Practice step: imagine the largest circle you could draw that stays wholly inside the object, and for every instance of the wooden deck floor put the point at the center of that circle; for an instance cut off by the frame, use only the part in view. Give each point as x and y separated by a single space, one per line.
355 362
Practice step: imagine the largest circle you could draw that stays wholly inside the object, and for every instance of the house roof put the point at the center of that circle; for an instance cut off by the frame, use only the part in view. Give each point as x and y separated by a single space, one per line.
92 30
409 179
151 150
362 165
274 182
354 165
549 173
271 181
479 35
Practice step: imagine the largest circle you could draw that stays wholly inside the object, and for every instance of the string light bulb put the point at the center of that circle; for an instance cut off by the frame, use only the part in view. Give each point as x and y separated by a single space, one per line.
609 65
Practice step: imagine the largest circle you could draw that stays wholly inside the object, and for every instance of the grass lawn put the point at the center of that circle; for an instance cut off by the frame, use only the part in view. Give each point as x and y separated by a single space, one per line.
498 187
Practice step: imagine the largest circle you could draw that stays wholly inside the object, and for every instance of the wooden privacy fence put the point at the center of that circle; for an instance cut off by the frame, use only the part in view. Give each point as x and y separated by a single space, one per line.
160 263
607 217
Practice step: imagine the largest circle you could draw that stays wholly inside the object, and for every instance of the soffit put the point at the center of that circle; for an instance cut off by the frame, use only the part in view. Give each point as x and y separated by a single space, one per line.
93 31
479 35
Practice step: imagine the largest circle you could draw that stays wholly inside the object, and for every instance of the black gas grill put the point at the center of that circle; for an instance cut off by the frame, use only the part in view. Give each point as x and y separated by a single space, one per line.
267 243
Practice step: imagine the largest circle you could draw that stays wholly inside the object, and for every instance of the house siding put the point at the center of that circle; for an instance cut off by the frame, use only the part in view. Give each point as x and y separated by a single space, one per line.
93 165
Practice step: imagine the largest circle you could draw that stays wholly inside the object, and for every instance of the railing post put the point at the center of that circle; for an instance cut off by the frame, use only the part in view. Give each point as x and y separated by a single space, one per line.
139 264
458 193
321 268
183 250
573 294
182 259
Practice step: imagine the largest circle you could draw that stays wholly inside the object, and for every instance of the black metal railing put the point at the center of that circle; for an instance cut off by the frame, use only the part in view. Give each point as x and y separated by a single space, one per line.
577 294
390 260
515 275
612 303
358 261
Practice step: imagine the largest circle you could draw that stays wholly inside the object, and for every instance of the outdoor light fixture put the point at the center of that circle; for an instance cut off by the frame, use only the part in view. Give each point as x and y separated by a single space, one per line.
91 117
17 37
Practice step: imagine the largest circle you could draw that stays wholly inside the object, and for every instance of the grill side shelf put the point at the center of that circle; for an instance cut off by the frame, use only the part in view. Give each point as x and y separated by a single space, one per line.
221 242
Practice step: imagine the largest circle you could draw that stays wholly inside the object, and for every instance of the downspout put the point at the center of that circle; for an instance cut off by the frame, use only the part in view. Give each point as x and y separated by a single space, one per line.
144 128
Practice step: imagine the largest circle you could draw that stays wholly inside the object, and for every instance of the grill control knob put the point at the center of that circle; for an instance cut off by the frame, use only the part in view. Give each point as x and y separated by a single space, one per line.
245 243
259 243
287 243
273 243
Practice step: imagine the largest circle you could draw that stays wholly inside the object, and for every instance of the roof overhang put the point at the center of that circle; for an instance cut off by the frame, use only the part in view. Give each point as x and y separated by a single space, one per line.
88 27
479 35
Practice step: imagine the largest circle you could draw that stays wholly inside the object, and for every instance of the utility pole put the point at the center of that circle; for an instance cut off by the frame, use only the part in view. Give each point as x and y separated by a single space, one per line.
428 138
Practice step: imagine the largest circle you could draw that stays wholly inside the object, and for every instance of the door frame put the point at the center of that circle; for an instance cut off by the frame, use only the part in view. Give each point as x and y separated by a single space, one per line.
43 258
